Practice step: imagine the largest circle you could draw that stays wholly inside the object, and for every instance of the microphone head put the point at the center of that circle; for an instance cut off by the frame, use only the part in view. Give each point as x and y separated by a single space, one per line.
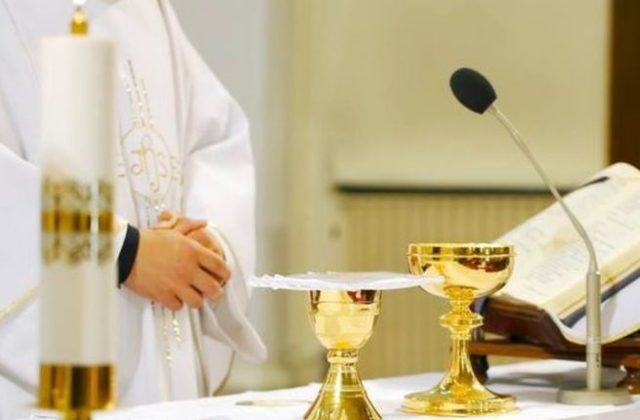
472 89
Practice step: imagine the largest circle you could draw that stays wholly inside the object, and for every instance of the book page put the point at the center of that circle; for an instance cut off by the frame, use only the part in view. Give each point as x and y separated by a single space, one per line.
619 317
552 260
547 246
558 279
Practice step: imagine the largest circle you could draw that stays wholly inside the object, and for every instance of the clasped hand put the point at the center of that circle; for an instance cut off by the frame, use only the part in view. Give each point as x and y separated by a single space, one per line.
179 262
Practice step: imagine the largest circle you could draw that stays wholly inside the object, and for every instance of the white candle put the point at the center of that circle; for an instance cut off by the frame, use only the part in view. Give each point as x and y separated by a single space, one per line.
78 270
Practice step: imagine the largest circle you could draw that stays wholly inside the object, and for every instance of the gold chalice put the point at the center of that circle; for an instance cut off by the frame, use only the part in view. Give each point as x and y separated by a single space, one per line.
469 271
343 322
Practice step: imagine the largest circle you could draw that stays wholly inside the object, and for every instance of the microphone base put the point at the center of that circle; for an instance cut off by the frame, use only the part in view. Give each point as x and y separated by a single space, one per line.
611 396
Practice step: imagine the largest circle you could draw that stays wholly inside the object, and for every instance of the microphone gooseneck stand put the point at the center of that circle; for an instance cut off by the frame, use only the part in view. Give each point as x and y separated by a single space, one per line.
593 394
475 92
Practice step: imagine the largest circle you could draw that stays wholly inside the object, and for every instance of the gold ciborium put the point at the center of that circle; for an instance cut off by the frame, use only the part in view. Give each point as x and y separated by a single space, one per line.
469 271
343 322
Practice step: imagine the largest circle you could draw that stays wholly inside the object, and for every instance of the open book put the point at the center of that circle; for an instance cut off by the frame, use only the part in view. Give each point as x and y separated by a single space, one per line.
551 259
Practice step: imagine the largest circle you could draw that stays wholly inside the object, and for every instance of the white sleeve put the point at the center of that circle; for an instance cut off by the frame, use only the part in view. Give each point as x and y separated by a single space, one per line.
20 220
218 186
19 268
226 321
120 234
19 217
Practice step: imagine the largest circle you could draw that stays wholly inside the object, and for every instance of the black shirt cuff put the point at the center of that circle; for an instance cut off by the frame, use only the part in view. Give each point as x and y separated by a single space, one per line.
128 253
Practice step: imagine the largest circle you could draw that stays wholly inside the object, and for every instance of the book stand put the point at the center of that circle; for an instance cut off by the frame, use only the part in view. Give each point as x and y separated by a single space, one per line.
529 332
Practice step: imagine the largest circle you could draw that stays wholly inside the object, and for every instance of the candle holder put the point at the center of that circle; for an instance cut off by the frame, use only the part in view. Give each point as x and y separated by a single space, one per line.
469 271
343 321
76 391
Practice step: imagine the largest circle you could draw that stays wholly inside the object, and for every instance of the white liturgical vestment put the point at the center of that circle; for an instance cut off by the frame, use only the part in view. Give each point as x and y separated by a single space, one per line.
183 146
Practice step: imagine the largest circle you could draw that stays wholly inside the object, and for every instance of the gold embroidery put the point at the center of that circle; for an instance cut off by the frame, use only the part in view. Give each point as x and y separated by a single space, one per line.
152 167
18 304
177 333
77 222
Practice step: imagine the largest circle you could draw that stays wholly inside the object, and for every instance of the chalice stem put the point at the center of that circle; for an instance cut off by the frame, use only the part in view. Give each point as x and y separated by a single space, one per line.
343 376
460 368
342 395
460 321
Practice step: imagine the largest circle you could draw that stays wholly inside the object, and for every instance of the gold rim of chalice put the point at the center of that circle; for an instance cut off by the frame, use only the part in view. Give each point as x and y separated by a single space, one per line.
479 268
460 250
469 271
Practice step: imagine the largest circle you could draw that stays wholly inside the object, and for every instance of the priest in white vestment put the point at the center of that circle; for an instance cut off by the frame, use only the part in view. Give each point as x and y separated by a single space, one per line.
183 148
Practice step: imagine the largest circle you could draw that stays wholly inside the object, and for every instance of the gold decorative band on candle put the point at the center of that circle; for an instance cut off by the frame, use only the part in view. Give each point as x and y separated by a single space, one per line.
77 391
77 222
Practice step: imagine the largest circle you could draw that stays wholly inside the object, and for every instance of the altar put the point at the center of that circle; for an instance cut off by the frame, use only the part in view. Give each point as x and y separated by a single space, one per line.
533 383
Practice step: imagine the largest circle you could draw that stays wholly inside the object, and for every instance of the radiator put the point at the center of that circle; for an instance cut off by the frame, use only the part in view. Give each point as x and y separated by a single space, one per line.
378 227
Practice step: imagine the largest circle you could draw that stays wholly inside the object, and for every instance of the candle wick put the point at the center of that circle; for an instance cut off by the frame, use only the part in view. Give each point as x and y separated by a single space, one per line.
79 22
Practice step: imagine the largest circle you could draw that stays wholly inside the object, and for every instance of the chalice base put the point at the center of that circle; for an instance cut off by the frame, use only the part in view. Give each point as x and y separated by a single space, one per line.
348 404
444 400
342 395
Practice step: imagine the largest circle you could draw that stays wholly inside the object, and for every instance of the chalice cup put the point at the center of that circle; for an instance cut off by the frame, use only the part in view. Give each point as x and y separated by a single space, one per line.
343 321
469 271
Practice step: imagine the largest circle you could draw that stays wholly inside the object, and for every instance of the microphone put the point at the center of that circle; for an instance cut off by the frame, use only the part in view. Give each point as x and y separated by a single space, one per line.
475 92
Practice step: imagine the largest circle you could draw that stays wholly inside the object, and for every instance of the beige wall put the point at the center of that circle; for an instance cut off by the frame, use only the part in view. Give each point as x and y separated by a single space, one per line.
371 104
356 91
379 88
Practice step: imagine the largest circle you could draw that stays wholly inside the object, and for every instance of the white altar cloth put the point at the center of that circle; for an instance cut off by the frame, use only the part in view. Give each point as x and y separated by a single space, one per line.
534 384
